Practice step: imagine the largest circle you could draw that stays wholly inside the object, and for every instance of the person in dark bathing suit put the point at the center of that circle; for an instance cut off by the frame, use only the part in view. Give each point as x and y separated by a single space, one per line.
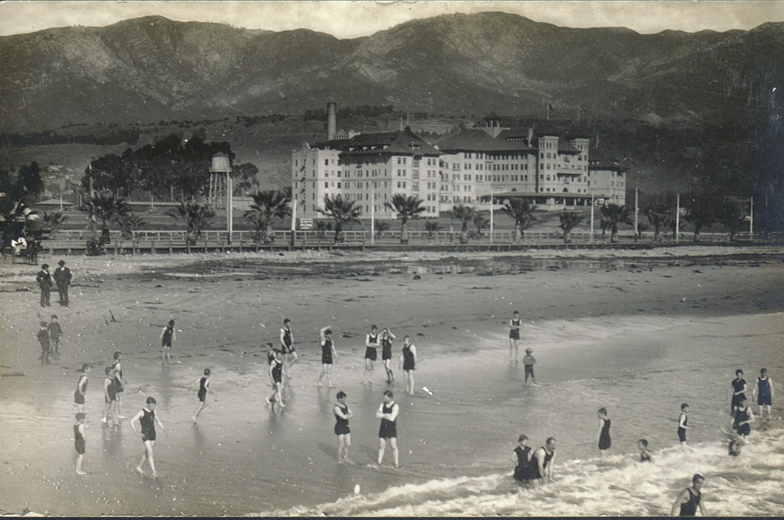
371 344
79 443
342 415
683 423
645 455
408 364
147 420
119 383
204 387
763 393
514 336
386 353
738 390
541 467
110 397
690 499
81 389
287 346
388 412
735 446
276 375
328 356
603 435
168 336
743 419
521 456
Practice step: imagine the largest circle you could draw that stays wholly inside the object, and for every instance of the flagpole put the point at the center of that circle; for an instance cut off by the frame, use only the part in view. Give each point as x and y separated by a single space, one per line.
751 223
372 214
636 211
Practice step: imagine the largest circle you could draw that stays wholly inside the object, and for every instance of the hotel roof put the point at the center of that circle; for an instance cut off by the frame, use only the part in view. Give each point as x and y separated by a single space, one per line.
477 140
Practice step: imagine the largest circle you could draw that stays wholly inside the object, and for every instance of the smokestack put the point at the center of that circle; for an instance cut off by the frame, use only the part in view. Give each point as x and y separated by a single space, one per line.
331 124
530 136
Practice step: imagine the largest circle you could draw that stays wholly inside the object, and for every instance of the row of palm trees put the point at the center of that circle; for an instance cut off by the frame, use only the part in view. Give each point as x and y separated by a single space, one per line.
269 205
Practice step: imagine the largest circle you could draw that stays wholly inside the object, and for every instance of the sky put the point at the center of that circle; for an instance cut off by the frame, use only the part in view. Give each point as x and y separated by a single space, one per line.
351 19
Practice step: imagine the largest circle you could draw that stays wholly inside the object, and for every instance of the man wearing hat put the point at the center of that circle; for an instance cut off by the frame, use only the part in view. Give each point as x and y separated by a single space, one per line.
62 277
44 280
529 363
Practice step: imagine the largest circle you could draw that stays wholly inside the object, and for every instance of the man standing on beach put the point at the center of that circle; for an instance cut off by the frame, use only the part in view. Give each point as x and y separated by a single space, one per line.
276 375
342 415
110 396
168 335
119 383
328 355
371 344
542 463
690 499
62 277
738 390
44 280
763 393
514 336
386 353
147 419
408 364
287 346
388 412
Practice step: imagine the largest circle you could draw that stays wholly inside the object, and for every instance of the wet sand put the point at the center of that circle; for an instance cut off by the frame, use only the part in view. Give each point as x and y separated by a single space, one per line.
639 334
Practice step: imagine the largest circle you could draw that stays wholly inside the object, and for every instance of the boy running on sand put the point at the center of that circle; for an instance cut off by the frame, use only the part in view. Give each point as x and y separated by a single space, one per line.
79 443
328 356
81 388
204 387
147 419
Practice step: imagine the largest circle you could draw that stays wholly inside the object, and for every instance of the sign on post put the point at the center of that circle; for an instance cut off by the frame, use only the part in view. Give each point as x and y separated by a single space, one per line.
305 223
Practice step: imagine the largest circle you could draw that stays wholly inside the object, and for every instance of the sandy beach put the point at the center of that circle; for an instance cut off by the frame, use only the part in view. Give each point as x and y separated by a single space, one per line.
638 332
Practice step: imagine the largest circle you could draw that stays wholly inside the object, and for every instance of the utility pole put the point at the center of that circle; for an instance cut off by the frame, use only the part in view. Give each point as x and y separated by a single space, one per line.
636 212
591 217
293 221
373 213
677 217
751 223
491 213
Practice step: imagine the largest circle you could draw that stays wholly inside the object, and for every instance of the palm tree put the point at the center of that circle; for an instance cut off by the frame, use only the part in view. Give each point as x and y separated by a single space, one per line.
381 227
129 223
266 206
464 214
614 215
322 226
54 220
521 211
108 208
658 220
341 212
196 217
569 221
481 221
407 208
432 226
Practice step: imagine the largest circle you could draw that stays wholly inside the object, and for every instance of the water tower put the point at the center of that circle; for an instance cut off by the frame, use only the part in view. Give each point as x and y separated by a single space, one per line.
221 188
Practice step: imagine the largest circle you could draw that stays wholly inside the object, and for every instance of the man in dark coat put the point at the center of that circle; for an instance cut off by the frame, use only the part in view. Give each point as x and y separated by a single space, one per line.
62 277
44 280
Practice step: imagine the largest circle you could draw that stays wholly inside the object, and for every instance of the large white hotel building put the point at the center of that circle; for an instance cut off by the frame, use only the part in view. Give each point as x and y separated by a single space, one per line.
552 170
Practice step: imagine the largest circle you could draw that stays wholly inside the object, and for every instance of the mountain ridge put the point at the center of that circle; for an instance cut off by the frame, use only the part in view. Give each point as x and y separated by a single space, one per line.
153 68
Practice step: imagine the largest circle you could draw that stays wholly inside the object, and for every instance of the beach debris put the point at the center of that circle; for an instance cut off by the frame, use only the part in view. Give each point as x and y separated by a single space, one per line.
426 390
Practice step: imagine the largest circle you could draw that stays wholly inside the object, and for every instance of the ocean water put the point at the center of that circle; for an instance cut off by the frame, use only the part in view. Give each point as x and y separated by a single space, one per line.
747 485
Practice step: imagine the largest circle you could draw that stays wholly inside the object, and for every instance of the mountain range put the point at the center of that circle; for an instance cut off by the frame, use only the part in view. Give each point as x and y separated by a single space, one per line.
151 69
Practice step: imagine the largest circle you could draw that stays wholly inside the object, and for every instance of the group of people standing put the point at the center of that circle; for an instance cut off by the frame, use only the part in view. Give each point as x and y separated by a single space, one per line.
62 278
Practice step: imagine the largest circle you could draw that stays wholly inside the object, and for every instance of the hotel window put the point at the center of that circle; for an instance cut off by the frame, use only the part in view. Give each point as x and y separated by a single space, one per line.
326 184
338 185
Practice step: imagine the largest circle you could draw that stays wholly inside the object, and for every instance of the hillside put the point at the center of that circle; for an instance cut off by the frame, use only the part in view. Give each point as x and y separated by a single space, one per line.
149 69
